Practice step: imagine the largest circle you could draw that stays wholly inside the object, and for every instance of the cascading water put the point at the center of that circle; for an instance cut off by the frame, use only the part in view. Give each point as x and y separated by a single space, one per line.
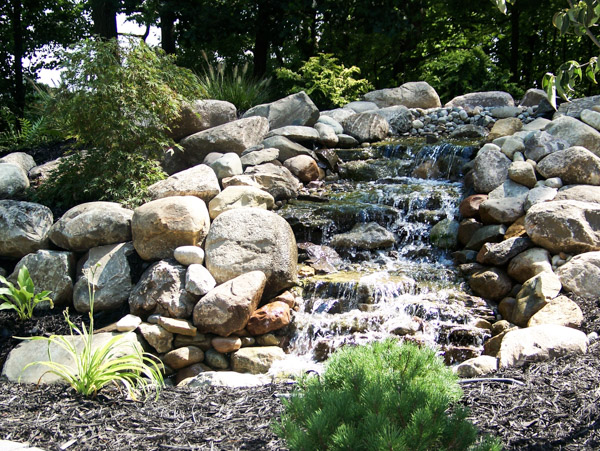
409 288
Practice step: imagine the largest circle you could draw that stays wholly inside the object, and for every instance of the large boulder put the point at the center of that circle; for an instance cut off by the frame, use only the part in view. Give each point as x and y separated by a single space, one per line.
234 136
501 253
575 133
278 181
240 196
296 133
564 226
21 159
200 115
592 118
295 109
575 165
540 144
415 94
368 235
398 117
560 311
256 360
161 290
505 127
487 99
50 270
540 343
529 263
534 295
252 239
24 228
13 181
490 169
200 181
505 210
583 193
227 308
31 351
269 318
366 127
490 283
287 148
533 97
259 156
106 270
160 226
92 224
581 274
576 106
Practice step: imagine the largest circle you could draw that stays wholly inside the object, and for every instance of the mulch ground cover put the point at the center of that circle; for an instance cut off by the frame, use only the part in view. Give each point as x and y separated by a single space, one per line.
557 407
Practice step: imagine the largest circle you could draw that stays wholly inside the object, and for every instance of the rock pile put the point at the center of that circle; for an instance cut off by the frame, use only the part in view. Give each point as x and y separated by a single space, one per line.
217 263
531 237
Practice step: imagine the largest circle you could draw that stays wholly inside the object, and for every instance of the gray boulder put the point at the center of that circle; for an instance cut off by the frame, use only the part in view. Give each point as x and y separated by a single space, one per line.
575 165
162 225
31 351
287 148
24 228
534 344
327 135
198 280
252 239
278 181
529 263
106 270
366 127
337 127
509 189
228 165
540 144
500 253
50 270
539 194
361 106
296 133
92 224
398 117
575 133
490 169
200 181
505 210
227 308
295 109
581 274
564 226
240 196
583 193
487 99
161 290
416 94
259 157
21 159
364 236
338 115
576 106
592 118
533 97
234 136
13 181
200 115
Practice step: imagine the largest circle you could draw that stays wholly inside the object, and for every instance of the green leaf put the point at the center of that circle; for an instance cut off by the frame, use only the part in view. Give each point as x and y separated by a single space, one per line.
549 85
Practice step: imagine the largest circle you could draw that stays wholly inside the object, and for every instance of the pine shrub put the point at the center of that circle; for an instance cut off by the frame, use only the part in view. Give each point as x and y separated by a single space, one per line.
383 396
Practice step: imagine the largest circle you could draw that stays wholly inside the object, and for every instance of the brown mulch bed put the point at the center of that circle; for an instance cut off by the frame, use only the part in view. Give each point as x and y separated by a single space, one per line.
558 407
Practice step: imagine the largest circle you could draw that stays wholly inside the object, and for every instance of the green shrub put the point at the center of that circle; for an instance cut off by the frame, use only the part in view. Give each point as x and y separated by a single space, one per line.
95 368
329 84
30 133
237 85
383 396
116 101
23 299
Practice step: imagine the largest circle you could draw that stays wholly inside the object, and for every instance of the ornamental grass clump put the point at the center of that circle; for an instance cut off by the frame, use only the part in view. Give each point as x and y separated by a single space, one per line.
94 368
383 396
23 299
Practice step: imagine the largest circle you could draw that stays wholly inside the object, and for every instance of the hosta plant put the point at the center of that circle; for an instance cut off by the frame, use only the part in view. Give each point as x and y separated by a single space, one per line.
24 298
96 367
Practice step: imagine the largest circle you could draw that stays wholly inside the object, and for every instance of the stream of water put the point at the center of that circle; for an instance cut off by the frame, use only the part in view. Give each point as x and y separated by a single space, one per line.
408 289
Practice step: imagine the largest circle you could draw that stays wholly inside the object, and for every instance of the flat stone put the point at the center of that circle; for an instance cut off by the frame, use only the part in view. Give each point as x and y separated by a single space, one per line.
230 379
177 326
200 181
502 211
296 133
501 253
157 337
486 234
128 323
256 360
182 357
364 236
477 366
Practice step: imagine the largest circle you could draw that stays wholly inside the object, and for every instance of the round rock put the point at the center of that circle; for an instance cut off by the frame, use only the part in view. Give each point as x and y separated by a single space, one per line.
24 228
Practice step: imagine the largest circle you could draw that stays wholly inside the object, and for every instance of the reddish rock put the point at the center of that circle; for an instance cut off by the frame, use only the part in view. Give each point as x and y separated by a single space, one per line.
469 207
182 357
271 317
286 297
303 167
225 345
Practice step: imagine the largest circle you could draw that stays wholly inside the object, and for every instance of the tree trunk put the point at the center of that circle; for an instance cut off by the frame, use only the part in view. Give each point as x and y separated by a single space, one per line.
19 87
104 16
261 40
515 14
167 29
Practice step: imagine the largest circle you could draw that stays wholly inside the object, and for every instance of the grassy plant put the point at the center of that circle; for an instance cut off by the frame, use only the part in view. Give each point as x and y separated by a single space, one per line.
23 299
95 368
376 397
237 85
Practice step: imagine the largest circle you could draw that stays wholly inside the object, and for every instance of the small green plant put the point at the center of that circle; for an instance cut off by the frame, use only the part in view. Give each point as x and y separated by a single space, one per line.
23 299
30 133
329 84
108 364
383 396
237 85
